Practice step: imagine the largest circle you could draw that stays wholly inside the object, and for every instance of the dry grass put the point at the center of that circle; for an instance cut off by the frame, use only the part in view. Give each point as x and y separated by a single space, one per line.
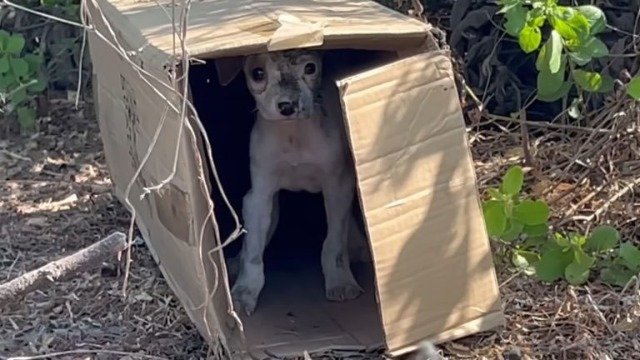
55 198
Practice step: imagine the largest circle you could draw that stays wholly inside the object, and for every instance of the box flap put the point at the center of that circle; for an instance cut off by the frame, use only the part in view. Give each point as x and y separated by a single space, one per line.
434 271
237 27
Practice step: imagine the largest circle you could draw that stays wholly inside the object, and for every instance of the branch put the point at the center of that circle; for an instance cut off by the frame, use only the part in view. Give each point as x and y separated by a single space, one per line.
62 269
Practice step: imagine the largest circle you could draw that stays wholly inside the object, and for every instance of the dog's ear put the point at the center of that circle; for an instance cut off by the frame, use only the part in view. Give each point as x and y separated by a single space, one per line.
228 68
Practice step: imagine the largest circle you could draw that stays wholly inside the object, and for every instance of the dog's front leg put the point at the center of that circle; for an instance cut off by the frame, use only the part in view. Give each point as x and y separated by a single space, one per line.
257 212
340 285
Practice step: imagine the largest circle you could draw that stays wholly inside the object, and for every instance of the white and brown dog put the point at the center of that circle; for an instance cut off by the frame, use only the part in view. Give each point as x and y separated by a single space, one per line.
298 143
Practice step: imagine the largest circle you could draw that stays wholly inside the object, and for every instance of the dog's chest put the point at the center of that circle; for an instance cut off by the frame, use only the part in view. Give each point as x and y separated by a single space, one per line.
300 157
302 164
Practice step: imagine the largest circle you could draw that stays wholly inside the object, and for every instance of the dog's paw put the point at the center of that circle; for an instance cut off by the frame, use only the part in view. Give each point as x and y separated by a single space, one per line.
344 292
244 300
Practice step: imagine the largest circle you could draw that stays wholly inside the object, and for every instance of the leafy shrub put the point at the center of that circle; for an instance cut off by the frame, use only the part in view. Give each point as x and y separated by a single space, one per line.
571 44
20 79
522 225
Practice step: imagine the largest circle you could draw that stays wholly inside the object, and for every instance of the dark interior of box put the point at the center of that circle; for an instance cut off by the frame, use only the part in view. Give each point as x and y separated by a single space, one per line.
292 313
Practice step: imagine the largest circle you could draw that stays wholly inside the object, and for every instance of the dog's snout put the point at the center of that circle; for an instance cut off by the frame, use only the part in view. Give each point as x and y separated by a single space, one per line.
288 108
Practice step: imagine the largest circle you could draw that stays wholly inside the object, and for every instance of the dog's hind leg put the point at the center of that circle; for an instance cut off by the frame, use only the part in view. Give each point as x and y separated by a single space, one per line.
257 213
275 217
340 284
358 244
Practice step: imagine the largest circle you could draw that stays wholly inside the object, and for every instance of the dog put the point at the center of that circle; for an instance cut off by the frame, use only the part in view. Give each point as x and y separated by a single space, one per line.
298 143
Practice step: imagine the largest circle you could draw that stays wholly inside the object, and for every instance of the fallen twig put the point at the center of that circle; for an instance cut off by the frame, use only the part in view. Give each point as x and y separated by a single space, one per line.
62 269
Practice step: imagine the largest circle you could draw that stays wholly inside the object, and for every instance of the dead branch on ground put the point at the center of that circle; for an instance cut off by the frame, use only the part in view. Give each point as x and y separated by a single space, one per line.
62 269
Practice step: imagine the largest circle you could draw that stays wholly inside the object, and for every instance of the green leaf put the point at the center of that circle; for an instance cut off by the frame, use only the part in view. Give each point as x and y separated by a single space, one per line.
535 242
561 240
4 38
4 64
522 258
525 260
536 230
631 256
531 212
516 17
555 51
5 82
35 61
580 24
602 238
19 67
513 230
556 95
576 274
596 48
578 240
579 58
596 18
593 48
552 264
607 84
512 181
495 193
564 29
542 61
616 275
587 80
580 257
26 117
495 217
15 44
38 86
633 87
507 5
550 83
18 96
530 38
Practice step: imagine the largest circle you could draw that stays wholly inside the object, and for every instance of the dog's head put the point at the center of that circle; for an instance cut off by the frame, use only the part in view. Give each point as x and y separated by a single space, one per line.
284 84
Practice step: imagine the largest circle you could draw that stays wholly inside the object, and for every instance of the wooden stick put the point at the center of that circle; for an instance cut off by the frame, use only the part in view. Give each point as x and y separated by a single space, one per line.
62 269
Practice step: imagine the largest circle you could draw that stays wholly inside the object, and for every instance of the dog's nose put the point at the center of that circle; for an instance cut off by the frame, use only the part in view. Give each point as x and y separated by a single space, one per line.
287 108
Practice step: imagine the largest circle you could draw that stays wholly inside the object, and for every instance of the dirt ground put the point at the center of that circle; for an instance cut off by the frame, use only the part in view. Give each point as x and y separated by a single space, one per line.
55 198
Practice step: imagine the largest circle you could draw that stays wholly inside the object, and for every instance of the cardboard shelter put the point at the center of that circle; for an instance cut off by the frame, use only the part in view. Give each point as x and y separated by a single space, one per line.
431 276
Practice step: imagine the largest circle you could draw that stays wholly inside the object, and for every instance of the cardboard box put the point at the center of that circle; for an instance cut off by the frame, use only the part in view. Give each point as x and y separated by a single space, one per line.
432 275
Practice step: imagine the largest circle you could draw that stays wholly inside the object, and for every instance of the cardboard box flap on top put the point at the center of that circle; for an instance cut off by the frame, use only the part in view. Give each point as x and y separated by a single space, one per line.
236 27
434 272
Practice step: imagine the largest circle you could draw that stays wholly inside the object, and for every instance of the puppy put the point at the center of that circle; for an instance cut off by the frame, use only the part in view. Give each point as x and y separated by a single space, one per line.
297 143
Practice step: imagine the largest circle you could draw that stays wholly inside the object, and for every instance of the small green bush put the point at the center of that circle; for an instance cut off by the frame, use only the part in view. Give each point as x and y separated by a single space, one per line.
571 45
20 79
522 225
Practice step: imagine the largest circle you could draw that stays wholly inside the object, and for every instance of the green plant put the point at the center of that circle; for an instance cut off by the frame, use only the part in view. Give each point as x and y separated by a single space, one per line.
570 45
573 256
623 267
633 87
508 217
20 79
522 225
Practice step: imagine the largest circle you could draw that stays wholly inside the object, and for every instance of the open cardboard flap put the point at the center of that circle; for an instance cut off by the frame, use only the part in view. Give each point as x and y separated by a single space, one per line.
434 272
433 276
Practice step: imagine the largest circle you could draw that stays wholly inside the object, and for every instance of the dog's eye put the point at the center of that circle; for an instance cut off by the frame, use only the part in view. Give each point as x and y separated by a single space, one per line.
257 74
310 69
